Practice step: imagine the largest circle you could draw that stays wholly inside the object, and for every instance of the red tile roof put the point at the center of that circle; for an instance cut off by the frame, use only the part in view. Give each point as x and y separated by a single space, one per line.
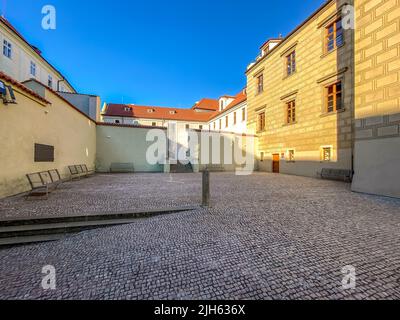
157 113
19 85
207 104
35 49
161 113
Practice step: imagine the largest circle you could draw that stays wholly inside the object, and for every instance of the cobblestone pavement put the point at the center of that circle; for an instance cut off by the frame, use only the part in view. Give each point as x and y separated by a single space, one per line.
109 192
266 237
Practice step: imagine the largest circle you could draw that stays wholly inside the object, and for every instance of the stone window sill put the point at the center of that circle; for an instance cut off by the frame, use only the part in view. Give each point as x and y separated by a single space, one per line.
332 51
326 114
289 124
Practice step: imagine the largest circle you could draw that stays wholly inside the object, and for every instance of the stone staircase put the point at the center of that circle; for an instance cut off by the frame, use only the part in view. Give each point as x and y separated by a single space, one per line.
24 231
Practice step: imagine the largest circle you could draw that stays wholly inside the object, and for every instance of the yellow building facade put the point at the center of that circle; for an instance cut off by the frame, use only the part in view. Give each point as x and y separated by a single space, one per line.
300 97
40 117
377 97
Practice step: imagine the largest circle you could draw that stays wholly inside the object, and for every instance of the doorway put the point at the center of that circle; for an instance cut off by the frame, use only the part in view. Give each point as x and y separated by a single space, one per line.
275 163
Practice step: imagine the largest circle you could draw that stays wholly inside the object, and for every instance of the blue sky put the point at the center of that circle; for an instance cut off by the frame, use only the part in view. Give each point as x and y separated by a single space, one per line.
162 53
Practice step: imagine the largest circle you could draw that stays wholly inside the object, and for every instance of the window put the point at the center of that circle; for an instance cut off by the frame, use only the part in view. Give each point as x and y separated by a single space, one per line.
262 156
221 105
220 124
291 63
127 109
291 112
260 83
50 81
226 122
154 124
187 127
234 118
201 127
334 97
244 114
7 49
261 122
326 154
33 69
215 124
334 36
117 121
290 155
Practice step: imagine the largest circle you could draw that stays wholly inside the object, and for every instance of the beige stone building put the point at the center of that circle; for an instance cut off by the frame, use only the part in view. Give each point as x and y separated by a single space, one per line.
36 120
377 97
300 97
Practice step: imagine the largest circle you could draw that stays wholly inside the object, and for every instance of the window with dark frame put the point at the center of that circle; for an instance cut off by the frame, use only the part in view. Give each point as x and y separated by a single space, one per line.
220 124
234 118
260 83
334 36
244 114
334 97
291 63
226 122
201 127
291 112
261 122
215 124
154 124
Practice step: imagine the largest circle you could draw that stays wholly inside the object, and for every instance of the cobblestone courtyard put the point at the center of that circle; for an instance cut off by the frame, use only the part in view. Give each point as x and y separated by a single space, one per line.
266 237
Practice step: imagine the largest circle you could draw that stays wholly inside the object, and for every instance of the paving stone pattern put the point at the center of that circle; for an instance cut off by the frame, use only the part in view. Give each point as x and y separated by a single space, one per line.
266 237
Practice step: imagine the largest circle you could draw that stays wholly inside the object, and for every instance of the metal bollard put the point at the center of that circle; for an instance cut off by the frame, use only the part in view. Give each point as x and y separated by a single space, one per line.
206 189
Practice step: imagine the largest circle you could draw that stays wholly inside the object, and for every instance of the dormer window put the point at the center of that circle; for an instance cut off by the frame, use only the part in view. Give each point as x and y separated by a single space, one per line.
127 109
172 112
150 110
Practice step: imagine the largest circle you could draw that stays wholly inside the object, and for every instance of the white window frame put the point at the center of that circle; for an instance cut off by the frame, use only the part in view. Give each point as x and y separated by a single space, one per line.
288 155
33 69
322 148
7 48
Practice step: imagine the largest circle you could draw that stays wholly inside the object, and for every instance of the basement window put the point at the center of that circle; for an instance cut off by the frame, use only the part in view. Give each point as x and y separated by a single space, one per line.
326 154
290 155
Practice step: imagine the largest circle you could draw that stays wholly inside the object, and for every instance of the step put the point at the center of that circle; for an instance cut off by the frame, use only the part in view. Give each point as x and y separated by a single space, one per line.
18 232
142 213
58 228
9 242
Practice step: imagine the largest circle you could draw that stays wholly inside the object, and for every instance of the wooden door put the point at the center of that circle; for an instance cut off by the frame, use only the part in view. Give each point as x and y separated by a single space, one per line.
275 163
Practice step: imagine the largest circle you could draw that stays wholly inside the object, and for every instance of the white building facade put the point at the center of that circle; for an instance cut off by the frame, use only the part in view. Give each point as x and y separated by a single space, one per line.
22 61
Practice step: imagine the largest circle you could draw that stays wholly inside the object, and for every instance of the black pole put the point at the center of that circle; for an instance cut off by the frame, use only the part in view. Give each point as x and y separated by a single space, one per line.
206 189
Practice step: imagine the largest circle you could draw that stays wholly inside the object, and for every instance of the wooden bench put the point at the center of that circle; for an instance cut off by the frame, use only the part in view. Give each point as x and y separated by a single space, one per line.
43 183
122 168
336 174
